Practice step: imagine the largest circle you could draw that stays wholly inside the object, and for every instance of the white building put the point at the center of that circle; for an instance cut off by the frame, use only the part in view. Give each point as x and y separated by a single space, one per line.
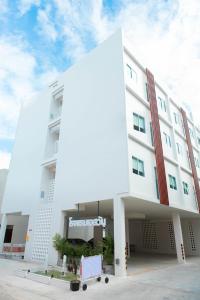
3 176
106 131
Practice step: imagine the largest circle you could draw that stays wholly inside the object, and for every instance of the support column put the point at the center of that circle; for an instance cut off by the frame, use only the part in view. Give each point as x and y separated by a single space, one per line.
178 238
119 237
57 227
3 231
98 235
127 237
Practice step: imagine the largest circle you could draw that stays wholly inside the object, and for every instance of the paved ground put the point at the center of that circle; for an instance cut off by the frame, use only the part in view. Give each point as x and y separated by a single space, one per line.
169 282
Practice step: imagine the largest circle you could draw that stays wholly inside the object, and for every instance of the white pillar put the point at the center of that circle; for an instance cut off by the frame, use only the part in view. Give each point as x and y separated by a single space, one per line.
57 227
178 238
119 237
127 237
3 231
29 239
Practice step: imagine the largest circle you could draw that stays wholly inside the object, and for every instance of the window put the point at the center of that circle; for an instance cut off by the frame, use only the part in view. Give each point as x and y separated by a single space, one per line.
138 123
156 179
172 182
8 234
151 131
177 118
185 188
138 166
188 157
167 139
196 162
195 194
179 148
191 132
131 73
147 91
162 104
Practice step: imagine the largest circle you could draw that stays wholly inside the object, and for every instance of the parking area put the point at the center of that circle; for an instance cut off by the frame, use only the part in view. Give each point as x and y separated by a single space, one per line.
157 280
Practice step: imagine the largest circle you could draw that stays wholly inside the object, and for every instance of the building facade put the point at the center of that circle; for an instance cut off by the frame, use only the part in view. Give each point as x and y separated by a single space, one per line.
106 139
3 177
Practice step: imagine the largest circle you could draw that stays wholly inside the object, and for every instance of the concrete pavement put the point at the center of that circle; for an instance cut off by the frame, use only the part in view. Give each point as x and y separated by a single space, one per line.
168 282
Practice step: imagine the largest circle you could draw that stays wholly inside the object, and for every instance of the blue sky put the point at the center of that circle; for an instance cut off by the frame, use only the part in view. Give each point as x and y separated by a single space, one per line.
41 38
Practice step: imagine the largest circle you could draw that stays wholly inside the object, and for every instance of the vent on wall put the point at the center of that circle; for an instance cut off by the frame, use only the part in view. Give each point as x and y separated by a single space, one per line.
171 235
150 239
191 237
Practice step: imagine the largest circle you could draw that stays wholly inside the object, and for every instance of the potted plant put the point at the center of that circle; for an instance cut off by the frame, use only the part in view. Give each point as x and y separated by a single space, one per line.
75 285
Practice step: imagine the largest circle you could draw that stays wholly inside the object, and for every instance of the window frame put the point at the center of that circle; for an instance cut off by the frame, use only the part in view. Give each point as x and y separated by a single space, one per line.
139 170
163 105
167 139
131 73
172 182
185 188
138 126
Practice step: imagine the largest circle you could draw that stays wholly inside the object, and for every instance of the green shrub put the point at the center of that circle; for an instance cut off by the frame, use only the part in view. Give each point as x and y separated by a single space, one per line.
108 250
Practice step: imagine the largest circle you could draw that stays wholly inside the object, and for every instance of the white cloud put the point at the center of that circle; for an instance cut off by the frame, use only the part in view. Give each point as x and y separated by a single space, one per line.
16 74
4 159
46 26
25 5
18 81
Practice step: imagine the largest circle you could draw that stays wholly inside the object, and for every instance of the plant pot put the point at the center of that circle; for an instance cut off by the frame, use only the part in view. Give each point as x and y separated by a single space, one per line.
108 269
74 285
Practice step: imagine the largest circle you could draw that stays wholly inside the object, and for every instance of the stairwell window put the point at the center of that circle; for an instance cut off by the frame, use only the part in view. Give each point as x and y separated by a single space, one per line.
185 188
172 182
138 166
131 73
138 123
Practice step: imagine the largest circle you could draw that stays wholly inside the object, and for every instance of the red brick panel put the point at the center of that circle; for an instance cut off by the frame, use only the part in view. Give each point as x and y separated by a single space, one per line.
162 181
191 156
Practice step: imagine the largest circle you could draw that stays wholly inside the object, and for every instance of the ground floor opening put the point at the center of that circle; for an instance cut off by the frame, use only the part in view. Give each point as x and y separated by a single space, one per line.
13 235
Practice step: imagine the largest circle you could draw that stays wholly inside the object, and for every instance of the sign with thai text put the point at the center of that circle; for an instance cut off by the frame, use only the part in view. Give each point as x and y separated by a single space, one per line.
87 222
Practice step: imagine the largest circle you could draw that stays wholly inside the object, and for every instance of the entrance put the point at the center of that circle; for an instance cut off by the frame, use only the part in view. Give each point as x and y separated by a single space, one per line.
8 234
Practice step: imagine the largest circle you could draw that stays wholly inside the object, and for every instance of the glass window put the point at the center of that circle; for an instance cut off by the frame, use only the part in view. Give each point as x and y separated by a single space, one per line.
138 166
151 131
179 148
167 139
196 162
138 123
172 182
131 73
185 188
191 132
156 179
162 104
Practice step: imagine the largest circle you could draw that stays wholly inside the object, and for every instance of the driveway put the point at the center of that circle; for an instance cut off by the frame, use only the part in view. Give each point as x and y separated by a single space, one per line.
169 282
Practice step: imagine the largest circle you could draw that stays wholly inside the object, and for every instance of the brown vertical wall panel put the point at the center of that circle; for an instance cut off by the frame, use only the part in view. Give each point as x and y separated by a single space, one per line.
161 174
191 156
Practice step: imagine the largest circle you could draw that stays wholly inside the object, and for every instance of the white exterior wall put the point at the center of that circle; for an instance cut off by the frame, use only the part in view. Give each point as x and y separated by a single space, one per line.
94 167
23 184
3 177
